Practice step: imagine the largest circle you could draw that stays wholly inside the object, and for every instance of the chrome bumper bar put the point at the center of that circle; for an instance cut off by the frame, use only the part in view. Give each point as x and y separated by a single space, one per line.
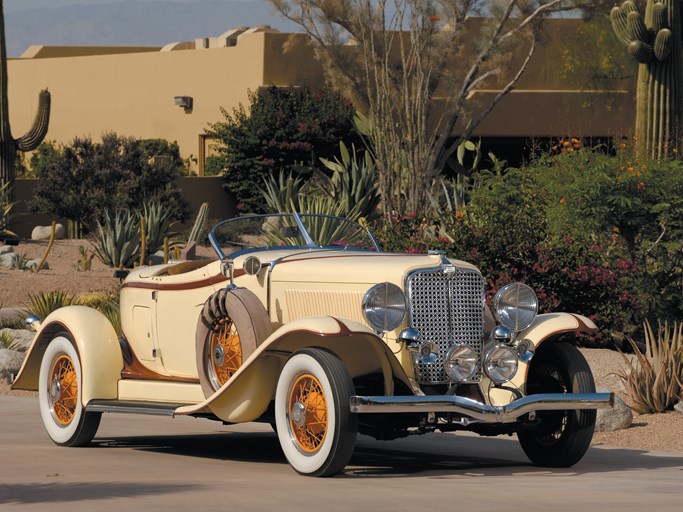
481 412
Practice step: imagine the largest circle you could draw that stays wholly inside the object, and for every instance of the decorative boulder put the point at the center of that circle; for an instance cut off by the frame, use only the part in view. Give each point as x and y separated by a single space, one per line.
617 418
679 407
10 362
7 259
44 232
6 249
34 263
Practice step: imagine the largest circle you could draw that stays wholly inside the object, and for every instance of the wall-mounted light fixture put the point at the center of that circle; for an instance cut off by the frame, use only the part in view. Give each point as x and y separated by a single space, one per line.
184 102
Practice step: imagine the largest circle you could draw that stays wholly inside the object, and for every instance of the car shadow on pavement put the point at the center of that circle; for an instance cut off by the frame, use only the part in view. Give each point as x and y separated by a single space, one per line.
432 455
35 493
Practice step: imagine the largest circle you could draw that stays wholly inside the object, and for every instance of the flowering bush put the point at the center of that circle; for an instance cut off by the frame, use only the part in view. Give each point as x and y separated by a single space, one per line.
594 234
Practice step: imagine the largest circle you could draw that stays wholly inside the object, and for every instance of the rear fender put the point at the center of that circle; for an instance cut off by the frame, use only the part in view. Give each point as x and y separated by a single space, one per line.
248 393
98 348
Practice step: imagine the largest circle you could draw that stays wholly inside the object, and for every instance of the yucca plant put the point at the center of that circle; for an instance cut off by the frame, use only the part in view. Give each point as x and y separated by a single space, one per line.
44 303
655 382
117 242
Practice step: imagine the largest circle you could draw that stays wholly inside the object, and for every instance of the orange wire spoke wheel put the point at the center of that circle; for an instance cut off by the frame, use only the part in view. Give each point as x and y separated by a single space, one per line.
63 388
308 414
226 352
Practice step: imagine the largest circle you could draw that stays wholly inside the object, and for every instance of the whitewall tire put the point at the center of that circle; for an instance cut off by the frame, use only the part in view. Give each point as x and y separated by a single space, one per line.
315 426
60 394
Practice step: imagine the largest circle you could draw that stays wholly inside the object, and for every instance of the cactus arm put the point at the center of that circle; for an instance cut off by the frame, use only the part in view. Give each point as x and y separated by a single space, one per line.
637 28
618 19
662 46
641 51
660 15
199 223
36 134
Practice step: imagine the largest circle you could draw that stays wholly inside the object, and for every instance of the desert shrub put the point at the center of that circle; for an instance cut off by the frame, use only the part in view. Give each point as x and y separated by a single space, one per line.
81 180
654 382
283 129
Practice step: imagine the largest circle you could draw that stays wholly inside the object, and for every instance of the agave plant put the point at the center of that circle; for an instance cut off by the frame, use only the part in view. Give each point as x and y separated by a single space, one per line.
655 382
44 303
8 341
117 242
351 192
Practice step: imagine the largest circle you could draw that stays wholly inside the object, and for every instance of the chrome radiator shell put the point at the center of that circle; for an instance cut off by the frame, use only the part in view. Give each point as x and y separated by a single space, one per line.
446 305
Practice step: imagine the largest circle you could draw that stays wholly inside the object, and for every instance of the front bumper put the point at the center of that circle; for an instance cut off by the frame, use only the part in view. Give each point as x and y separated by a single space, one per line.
482 413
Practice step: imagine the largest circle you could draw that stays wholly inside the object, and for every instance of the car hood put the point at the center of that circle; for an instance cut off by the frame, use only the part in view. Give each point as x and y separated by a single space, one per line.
353 267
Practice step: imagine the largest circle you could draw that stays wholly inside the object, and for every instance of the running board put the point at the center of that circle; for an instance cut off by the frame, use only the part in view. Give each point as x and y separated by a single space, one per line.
133 407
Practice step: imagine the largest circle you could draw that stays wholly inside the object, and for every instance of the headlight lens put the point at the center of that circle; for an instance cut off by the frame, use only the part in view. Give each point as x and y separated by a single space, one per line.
500 363
384 307
460 363
516 306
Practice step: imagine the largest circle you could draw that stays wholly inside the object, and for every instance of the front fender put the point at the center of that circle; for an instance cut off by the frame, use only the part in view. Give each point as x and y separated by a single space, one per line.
248 393
97 345
551 325
545 329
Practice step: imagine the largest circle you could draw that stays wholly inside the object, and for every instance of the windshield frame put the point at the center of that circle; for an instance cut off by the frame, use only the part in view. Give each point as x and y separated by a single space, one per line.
310 243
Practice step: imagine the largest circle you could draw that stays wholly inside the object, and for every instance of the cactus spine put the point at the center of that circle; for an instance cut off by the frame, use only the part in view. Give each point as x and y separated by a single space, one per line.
655 42
199 223
30 141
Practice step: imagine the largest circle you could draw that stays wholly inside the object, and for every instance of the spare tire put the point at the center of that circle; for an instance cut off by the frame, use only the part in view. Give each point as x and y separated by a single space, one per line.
233 323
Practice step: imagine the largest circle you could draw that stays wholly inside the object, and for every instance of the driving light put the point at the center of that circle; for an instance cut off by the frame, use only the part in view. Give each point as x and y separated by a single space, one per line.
460 363
516 306
500 363
384 307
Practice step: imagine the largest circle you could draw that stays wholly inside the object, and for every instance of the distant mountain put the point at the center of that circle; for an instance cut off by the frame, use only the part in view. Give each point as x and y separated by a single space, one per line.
130 23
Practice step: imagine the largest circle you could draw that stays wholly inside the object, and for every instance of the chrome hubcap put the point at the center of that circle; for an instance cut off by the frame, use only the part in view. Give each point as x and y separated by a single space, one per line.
298 414
218 356
55 390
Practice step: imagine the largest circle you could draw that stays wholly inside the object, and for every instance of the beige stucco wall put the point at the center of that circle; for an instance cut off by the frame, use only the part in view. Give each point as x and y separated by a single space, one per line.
95 90
133 93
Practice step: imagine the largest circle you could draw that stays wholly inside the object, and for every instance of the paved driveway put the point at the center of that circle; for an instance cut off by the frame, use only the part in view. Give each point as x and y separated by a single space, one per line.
142 463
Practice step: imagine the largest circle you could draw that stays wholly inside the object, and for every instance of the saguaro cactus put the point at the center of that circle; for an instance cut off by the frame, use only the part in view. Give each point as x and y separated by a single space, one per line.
655 42
30 141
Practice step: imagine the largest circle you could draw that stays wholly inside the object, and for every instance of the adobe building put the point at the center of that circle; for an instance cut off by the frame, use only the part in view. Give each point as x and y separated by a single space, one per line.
176 91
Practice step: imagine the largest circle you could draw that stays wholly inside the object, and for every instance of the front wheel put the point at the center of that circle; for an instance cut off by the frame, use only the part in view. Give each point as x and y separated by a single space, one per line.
60 394
562 437
316 428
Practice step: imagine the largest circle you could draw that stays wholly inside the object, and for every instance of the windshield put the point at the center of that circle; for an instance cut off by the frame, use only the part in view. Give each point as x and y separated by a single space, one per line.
258 232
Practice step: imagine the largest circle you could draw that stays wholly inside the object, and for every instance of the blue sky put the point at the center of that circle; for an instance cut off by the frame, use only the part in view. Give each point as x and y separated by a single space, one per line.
22 5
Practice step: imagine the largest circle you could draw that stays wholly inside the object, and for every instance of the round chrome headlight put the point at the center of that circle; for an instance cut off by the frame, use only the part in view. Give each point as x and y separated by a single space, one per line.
384 307
500 363
516 306
460 363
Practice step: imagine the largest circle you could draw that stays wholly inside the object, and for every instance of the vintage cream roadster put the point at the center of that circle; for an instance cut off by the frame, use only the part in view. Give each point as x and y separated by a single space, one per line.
303 322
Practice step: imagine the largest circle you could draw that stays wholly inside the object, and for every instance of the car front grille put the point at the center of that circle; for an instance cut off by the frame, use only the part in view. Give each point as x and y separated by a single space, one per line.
447 308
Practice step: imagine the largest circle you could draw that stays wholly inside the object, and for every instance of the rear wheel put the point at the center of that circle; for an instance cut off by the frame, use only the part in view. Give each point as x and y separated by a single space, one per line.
563 437
316 428
60 394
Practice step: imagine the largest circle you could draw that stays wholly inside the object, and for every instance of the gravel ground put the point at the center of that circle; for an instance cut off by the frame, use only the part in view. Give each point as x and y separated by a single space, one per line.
662 432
